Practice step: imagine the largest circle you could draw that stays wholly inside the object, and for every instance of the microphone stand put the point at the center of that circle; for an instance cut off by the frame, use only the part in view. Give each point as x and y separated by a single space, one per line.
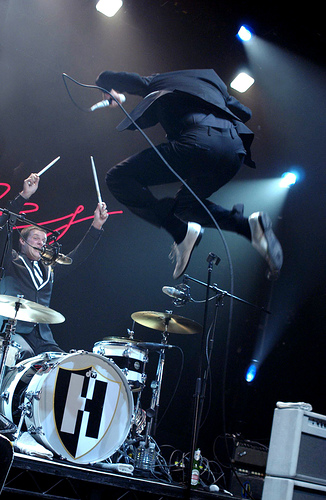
22 218
201 381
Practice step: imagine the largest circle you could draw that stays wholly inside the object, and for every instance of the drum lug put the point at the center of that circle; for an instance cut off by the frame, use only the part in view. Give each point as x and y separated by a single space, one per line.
33 395
35 430
26 409
5 396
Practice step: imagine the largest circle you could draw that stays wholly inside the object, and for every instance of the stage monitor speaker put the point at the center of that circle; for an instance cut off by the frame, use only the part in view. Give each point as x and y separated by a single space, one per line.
280 488
297 447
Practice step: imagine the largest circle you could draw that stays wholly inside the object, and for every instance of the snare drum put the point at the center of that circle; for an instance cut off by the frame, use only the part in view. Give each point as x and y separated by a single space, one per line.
130 358
79 406
13 352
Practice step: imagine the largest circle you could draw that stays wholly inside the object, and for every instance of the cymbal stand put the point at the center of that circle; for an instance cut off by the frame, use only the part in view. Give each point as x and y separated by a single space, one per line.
156 385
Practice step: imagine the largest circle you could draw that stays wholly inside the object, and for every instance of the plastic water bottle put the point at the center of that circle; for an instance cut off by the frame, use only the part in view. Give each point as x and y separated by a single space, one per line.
150 457
145 457
140 455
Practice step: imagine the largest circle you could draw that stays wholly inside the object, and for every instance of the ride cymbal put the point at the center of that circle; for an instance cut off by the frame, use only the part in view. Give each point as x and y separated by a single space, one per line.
166 322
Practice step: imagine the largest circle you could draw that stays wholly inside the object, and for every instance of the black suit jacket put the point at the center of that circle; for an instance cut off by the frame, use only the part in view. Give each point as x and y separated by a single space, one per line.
203 84
18 277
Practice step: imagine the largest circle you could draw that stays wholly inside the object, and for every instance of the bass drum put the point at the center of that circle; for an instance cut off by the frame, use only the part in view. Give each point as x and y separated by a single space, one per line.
80 407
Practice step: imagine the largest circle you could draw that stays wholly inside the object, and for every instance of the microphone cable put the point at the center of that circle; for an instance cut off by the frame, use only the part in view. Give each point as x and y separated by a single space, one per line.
231 273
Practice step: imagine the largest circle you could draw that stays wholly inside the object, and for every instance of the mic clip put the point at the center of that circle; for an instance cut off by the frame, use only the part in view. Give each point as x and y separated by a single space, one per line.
49 254
181 301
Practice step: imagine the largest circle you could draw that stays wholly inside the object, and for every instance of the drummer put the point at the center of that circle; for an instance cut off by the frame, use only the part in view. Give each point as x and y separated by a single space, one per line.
26 274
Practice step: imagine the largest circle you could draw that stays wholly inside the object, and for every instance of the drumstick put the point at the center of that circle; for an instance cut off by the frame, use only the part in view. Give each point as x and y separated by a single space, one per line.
97 187
48 166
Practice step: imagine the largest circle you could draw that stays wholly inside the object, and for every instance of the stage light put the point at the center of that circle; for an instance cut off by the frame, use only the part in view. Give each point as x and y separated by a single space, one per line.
242 82
288 179
244 34
252 371
109 7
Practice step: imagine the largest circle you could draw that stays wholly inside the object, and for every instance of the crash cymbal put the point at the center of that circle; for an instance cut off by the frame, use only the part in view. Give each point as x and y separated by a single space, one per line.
166 322
28 311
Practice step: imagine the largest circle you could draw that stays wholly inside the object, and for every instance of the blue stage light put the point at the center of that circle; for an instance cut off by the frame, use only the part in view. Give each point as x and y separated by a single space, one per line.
288 179
244 33
252 371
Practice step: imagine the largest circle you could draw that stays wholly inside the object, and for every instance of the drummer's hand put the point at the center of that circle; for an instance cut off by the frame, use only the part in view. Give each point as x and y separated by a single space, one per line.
30 186
100 215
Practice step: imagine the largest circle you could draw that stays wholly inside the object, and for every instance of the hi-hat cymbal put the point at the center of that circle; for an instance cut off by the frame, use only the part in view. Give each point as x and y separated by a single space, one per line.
166 322
28 311
121 340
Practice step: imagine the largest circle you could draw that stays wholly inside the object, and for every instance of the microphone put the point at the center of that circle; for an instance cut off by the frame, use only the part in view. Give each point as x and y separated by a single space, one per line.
106 103
175 293
50 255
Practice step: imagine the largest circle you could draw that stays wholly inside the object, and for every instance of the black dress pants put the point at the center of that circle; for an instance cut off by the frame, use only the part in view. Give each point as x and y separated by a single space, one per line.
205 157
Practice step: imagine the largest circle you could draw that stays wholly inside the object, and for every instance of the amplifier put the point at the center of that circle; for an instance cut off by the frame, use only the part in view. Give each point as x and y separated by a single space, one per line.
247 484
280 488
297 447
250 455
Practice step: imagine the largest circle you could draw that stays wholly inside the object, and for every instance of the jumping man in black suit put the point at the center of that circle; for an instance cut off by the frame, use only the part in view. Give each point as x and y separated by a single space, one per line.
207 142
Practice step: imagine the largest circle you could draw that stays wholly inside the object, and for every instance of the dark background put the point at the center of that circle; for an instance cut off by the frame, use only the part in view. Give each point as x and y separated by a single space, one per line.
39 40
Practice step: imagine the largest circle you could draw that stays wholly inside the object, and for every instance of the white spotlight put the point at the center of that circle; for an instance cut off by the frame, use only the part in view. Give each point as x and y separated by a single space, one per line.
109 7
242 82
288 179
244 34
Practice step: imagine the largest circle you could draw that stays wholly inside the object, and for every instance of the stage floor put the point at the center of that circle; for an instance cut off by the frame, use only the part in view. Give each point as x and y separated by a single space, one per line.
34 477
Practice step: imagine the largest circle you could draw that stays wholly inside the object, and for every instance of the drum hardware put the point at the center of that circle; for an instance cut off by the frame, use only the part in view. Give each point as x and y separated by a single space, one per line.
60 406
25 411
166 323
9 331
36 395
35 430
4 396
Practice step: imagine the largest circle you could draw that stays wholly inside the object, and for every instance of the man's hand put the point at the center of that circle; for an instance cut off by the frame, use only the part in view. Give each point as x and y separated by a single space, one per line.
100 215
119 97
30 186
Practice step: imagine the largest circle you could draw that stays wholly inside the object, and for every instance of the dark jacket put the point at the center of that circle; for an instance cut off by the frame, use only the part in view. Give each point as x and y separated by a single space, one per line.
204 85
18 277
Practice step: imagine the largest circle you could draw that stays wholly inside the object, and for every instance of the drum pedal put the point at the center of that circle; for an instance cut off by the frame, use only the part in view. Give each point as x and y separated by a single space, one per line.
123 468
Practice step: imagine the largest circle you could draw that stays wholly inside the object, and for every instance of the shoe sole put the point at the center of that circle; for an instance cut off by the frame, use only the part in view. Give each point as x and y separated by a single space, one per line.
198 239
274 254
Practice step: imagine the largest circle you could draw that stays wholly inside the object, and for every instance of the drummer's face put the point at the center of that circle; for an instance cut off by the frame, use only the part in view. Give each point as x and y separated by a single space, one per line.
37 239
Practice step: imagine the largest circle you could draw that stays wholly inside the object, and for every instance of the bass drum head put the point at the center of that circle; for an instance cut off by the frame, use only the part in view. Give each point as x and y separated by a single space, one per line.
81 407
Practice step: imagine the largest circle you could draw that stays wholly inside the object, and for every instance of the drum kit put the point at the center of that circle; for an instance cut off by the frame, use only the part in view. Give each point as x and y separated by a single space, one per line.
84 406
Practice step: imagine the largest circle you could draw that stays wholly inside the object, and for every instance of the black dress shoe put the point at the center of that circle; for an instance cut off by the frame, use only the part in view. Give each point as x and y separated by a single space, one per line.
264 240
